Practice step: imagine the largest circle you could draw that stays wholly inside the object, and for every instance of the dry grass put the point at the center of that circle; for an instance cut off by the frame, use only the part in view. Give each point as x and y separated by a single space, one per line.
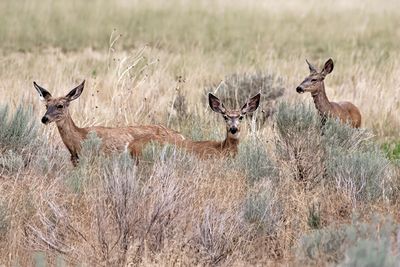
286 187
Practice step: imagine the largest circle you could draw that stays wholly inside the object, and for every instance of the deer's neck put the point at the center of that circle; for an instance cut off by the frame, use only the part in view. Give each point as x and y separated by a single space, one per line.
71 135
321 101
230 144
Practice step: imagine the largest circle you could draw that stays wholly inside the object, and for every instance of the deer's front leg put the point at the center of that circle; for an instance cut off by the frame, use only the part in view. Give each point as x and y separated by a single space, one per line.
74 160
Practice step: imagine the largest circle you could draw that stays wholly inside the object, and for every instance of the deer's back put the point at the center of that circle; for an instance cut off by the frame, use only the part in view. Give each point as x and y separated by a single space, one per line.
347 112
118 139
208 149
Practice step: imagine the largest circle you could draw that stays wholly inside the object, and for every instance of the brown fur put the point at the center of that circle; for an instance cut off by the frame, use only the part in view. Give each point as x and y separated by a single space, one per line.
207 149
113 139
314 83
202 149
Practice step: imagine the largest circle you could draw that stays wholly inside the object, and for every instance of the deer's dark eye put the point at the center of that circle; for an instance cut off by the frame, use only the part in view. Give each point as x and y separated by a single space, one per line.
241 118
313 80
60 106
226 117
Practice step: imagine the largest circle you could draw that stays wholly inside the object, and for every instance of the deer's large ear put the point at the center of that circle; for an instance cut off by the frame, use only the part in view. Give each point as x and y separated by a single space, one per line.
215 104
311 67
76 92
251 104
328 67
43 93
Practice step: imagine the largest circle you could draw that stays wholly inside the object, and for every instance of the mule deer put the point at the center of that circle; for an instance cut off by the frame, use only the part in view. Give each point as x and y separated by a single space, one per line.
113 139
314 83
206 149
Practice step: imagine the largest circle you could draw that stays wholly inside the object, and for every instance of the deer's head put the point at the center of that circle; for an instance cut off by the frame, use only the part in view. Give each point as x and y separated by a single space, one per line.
57 107
234 117
313 82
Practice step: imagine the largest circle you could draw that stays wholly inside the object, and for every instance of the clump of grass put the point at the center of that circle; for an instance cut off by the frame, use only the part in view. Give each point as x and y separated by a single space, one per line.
219 233
299 144
314 216
154 152
180 105
262 209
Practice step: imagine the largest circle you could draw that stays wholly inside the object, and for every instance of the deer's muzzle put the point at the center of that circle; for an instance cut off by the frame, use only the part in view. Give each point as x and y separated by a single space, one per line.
45 120
233 130
299 90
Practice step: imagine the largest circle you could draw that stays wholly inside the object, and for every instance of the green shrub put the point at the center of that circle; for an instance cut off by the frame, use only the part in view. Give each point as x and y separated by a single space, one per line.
296 120
11 162
371 253
392 150
324 245
374 248
95 165
90 164
23 147
153 152
314 216
334 153
356 244
363 175
354 163
299 146
339 136
4 220
254 161
18 131
262 209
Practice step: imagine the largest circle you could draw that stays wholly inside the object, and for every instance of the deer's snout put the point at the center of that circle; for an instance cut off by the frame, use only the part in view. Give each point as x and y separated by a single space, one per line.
233 130
45 120
299 90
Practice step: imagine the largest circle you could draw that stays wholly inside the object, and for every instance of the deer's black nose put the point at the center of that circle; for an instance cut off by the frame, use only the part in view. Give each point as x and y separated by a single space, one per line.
45 120
233 130
299 90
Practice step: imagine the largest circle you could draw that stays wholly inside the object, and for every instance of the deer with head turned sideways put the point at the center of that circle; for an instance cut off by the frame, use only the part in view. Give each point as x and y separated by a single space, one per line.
207 149
314 83
112 139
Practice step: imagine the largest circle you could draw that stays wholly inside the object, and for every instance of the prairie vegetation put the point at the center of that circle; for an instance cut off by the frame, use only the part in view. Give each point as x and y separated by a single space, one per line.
298 193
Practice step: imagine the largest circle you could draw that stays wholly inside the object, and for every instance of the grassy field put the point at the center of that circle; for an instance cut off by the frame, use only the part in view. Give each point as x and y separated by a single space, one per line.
293 196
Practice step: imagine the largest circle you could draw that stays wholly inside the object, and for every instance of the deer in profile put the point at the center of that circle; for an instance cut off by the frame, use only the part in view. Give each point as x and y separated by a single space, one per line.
207 149
113 139
314 83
